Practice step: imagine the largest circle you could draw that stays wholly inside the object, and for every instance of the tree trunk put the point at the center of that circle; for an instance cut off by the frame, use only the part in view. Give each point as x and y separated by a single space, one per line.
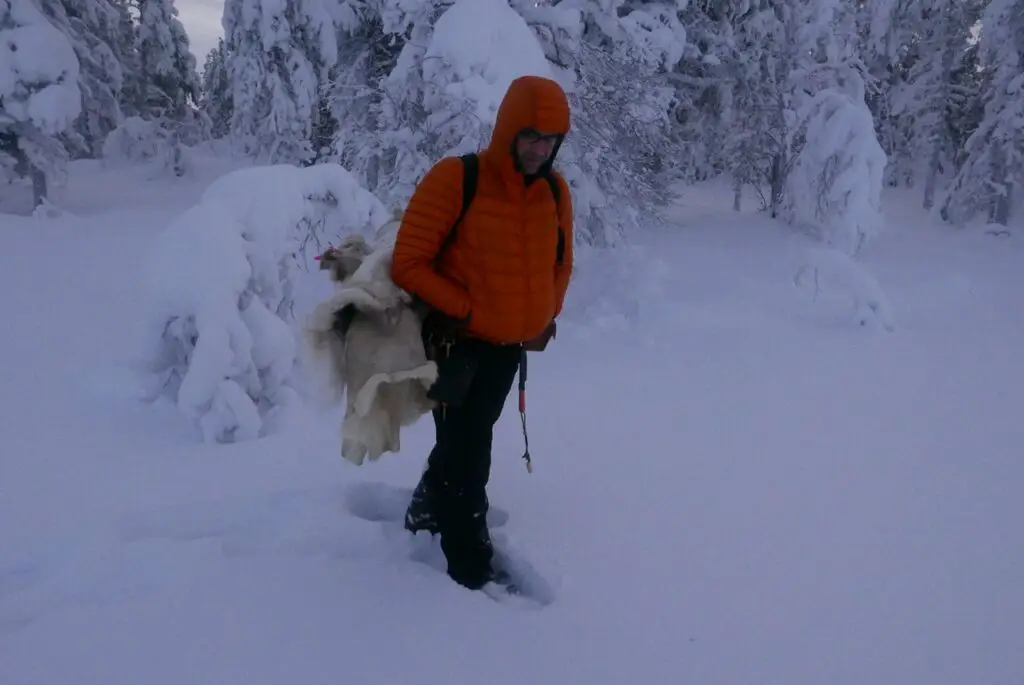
999 209
933 175
38 187
778 182
938 135
1000 213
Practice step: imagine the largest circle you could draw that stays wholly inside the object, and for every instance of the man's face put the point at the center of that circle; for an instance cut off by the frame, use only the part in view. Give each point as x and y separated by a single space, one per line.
534 148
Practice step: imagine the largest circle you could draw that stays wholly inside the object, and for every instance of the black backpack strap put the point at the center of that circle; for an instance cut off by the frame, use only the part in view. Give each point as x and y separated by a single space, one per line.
470 171
556 192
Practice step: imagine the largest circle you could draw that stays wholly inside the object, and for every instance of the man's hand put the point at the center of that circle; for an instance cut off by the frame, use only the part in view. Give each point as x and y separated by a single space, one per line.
539 343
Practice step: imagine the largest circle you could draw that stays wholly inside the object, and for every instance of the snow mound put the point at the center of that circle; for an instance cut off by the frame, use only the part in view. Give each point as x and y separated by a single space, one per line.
477 49
149 144
220 280
832 271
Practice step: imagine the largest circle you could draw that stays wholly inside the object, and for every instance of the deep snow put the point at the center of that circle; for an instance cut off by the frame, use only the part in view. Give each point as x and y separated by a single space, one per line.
733 484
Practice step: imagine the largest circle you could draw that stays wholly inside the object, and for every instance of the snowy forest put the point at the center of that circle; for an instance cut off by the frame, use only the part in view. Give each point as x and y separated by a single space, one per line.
813 105
775 433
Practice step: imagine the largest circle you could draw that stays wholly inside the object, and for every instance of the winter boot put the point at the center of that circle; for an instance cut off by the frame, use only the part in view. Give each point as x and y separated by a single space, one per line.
421 513
468 548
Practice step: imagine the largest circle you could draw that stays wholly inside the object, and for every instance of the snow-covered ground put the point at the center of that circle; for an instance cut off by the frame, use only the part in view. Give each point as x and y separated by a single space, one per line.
733 483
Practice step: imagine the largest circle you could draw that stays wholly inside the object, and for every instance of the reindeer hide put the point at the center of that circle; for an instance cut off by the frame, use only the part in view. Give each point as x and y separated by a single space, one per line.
377 358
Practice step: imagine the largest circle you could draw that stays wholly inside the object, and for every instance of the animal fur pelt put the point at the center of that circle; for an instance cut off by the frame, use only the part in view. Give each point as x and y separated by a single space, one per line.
377 357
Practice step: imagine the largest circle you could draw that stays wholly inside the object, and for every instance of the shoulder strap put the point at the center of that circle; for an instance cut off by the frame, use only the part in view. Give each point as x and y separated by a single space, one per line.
470 170
556 192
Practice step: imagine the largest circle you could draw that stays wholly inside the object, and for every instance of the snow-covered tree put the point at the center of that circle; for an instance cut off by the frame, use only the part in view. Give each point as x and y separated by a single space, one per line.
993 171
166 94
366 55
168 68
835 183
919 50
221 279
279 53
215 101
888 43
383 134
761 78
102 35
645 32
624 151
39 92
835 167
708 82
442 95
729 103
420 79
948 28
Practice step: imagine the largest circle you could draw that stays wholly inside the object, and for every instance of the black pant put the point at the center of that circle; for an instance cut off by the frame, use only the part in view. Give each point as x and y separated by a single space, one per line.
459 465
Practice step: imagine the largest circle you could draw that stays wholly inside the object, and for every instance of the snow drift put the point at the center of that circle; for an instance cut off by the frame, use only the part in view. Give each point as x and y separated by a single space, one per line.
834 273
221 279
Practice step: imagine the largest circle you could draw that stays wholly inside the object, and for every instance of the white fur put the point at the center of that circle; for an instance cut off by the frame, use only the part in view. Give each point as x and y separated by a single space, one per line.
380 363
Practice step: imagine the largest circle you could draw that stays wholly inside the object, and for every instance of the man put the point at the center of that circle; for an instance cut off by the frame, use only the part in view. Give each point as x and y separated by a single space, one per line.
493 289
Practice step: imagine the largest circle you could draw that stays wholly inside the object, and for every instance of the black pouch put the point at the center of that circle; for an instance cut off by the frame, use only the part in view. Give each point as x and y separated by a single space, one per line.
456 368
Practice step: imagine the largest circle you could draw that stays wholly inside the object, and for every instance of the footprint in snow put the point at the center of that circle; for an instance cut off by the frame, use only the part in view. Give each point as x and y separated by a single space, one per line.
386 504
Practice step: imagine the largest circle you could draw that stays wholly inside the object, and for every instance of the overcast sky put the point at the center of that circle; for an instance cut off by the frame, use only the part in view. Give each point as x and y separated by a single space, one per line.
202 22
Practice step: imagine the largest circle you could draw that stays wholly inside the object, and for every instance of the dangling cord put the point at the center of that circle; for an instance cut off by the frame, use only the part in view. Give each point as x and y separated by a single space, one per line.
522 408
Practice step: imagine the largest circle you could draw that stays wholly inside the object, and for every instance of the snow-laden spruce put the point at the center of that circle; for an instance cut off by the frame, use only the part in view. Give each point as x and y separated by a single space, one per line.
991 178
279 55
921 53
220 281
421 79
39 73
442 95
624 150
39 92
168 66
215 99
169 89
834 186
102 34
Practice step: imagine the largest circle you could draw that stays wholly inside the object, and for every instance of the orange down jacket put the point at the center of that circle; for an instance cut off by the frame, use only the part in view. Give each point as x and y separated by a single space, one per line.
500 272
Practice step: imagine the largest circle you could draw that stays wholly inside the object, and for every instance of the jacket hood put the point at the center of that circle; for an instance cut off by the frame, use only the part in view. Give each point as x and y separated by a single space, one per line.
530 102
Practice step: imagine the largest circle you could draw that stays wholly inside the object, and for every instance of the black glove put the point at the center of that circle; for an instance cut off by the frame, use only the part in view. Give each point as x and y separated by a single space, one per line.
455 373
456 361
441 327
